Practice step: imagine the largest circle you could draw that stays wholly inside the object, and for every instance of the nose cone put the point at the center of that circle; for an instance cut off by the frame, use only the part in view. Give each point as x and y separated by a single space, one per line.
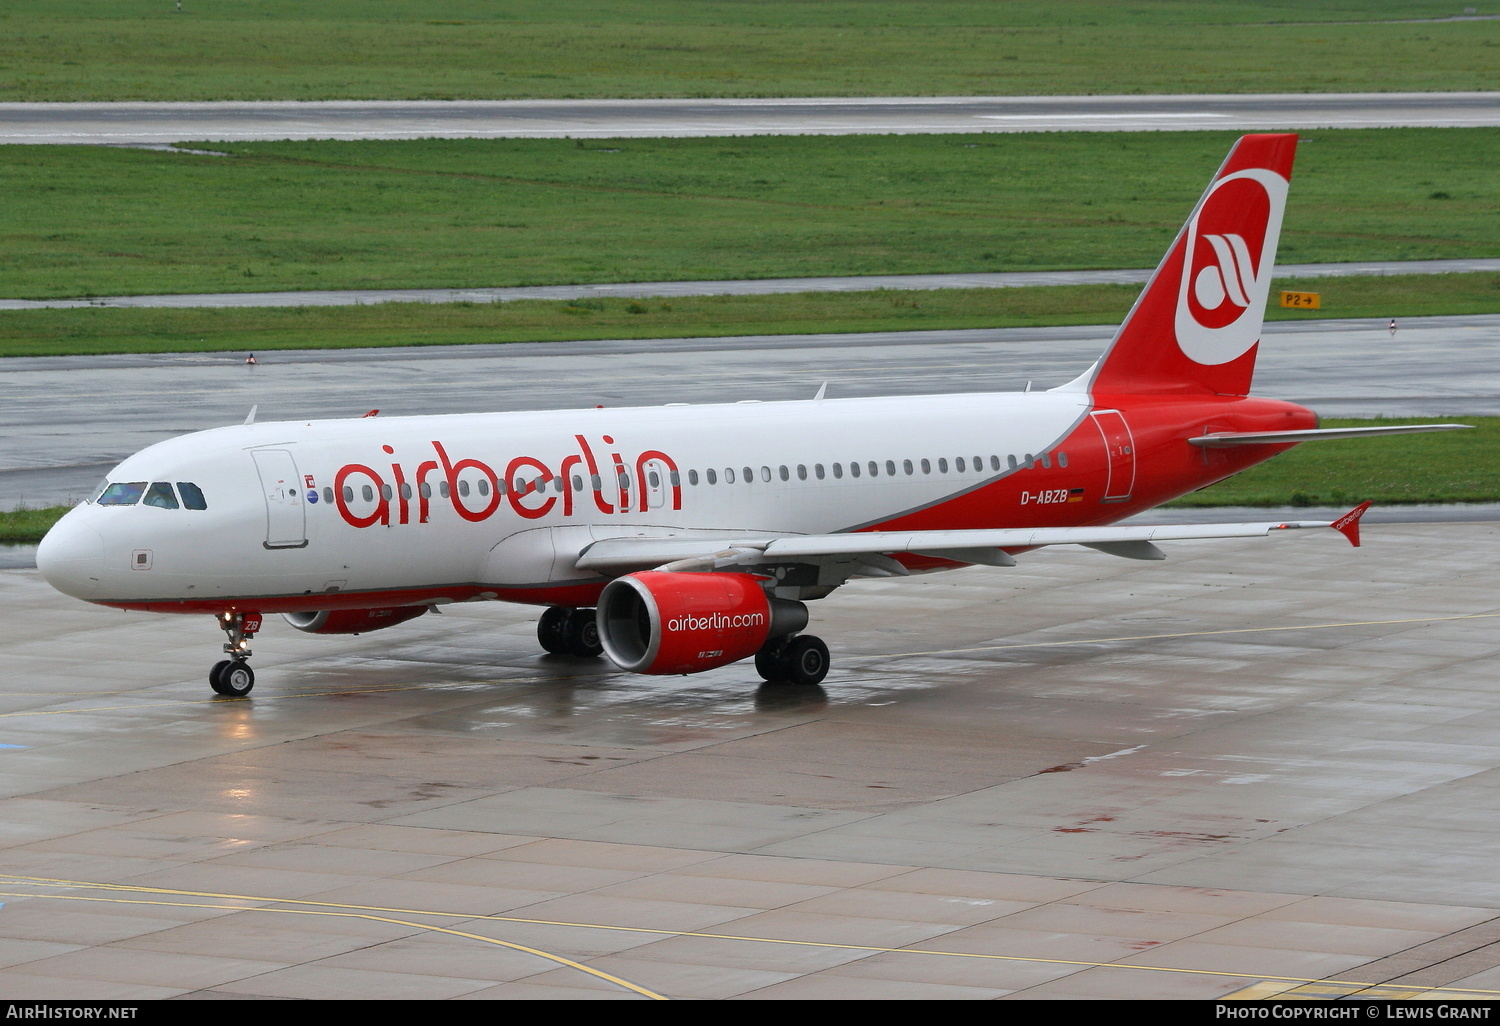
71 557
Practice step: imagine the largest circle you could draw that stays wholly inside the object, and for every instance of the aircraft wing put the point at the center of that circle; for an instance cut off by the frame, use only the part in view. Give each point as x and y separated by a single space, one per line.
622 555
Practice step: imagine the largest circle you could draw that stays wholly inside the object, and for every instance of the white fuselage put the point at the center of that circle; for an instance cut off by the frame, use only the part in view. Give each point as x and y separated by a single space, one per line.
401 509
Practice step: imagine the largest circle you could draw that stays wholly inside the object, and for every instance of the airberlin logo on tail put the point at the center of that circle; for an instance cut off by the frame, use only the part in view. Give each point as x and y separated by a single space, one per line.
1229 250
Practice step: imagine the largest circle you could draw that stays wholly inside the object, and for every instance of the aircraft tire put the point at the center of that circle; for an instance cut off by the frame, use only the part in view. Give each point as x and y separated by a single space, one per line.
583 635
770 661
806 660
552 630
233 679
213 674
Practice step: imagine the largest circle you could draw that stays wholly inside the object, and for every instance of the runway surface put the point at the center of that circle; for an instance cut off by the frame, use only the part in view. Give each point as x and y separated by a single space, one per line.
1262 767
161 123
68 420
740 287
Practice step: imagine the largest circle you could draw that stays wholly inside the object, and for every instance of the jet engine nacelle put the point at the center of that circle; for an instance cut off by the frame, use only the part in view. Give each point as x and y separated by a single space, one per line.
665 622
352 621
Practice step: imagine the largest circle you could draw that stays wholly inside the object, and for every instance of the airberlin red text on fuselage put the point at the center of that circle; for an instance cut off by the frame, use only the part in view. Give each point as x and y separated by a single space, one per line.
522 484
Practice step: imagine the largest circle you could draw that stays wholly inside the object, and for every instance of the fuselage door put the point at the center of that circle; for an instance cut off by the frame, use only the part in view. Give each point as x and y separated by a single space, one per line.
1119 450
286 517
656 484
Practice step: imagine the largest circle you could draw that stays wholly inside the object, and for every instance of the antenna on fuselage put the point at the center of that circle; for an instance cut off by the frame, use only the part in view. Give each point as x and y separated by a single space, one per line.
250 417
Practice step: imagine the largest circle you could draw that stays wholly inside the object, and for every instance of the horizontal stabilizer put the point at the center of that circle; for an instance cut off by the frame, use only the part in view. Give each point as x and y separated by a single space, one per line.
623 555
1225 439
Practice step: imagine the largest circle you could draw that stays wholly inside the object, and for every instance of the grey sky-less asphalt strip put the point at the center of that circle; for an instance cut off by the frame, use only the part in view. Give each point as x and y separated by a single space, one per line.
126 124
753 287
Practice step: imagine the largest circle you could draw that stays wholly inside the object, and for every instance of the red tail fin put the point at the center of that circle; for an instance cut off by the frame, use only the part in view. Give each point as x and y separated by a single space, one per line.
1196 325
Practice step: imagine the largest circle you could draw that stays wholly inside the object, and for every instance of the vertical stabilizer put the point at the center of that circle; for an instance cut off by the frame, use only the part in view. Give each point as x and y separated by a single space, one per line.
1196 326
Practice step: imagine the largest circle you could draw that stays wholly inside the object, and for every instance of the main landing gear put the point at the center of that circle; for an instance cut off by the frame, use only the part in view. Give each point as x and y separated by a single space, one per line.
798 660
563 630
233 677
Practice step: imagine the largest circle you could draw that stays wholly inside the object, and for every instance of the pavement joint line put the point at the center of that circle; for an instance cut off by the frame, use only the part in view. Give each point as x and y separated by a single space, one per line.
1184 634
373 918
386 689
364 912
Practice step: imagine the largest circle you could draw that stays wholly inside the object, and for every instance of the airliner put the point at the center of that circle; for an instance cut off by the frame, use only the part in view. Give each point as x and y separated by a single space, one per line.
680 538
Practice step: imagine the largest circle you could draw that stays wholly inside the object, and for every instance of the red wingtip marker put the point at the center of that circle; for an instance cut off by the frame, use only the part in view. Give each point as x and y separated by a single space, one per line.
1348 524
372 413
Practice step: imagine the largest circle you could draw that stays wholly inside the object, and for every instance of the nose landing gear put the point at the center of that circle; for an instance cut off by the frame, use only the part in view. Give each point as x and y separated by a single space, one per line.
233 677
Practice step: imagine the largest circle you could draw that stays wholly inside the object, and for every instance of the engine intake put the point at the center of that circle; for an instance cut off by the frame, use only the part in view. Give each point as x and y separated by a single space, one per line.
352 621
663 622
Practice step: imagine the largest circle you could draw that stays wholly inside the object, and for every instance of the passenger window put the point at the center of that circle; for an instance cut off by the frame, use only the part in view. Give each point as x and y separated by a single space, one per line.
424 490
765 473
122 494
838 470
750 475
874 468
692 477
368 493
994 462
926 467
386 493
484 487
160 495
1062 459
1011 461
463 489
785 474
958 465
192 495
188 502
578 481
655 479
853 469
802 472
1046 461
906 466
348 494
729 475
818 470
942 466
405 490
712 477
443 489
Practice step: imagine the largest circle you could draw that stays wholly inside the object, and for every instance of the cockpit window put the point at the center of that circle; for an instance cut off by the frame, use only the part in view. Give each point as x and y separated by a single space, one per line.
122 493
192 495
160 494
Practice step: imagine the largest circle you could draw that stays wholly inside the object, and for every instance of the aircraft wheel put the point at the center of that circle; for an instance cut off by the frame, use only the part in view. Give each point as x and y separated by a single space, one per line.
552 629
770 662
806 660
583 634
234 680
213 675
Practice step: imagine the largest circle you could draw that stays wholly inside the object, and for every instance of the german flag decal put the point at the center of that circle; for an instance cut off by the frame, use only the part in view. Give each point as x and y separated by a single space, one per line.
1075 494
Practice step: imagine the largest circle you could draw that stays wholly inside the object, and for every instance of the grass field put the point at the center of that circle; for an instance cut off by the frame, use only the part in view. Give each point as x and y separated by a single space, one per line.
395 49
99 221
1450 466
99 330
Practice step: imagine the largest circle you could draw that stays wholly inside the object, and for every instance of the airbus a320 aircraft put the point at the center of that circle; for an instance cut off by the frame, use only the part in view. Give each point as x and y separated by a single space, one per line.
680 538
